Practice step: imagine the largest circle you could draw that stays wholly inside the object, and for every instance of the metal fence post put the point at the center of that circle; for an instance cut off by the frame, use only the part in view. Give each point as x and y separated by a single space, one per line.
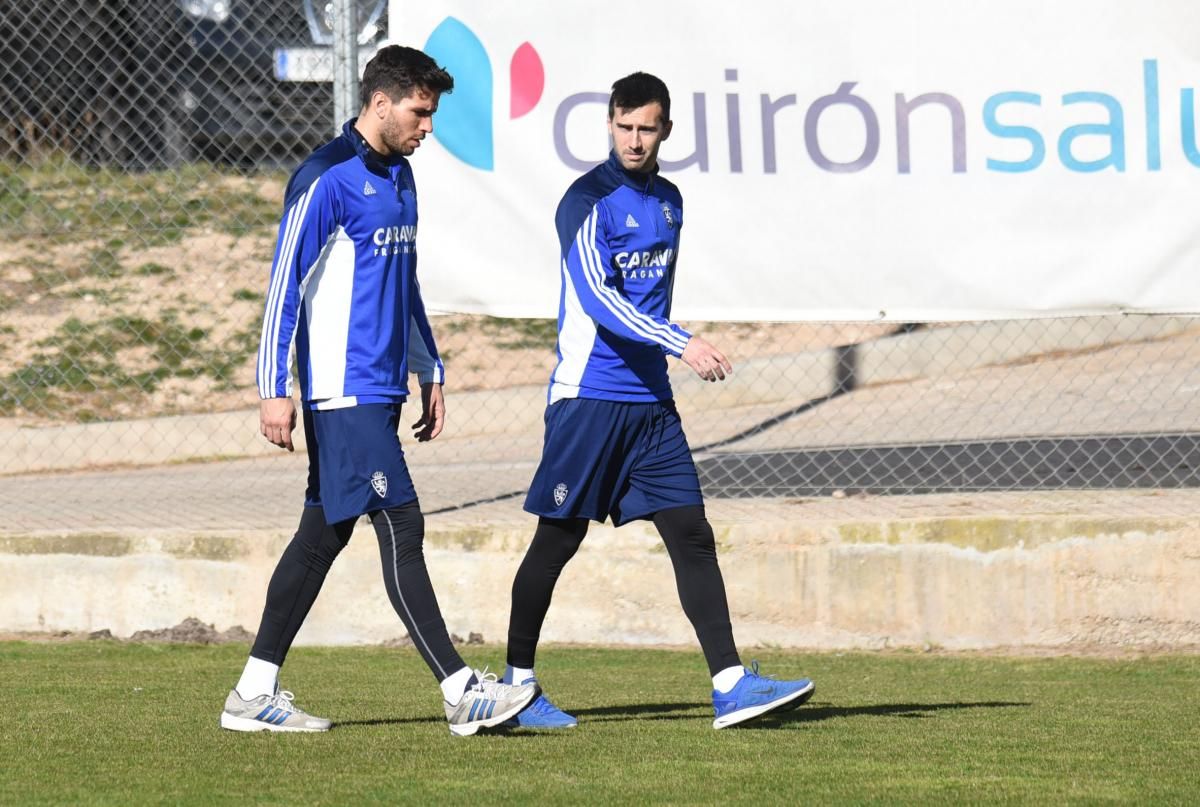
345 63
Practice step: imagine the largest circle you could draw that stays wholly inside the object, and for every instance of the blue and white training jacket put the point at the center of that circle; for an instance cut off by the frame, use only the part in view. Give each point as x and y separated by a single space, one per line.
344 286
619 236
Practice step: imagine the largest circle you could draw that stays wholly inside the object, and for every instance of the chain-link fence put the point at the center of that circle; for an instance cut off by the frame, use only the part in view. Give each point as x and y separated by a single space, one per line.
143 151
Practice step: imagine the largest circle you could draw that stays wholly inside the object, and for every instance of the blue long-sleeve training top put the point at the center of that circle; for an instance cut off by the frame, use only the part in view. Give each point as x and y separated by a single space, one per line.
344 286
619 237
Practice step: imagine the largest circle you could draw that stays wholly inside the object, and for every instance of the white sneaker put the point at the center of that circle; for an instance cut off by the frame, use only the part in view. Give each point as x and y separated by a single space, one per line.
275 712
488 703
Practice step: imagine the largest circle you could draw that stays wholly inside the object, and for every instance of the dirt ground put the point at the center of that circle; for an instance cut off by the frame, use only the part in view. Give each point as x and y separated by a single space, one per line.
189 631
481 355
70 305
193 631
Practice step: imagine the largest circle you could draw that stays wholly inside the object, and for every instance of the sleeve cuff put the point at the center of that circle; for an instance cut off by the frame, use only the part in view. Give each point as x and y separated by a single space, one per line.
686 337
431 377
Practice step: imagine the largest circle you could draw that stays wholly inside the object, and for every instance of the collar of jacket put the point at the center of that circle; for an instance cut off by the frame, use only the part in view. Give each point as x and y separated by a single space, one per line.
643 183
375 162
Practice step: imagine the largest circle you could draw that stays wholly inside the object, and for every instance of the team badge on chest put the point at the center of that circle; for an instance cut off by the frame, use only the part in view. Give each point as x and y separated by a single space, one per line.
668 215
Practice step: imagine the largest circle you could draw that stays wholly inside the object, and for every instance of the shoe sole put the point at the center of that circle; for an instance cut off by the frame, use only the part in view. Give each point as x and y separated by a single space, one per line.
784 704
515 724
467 729
234 723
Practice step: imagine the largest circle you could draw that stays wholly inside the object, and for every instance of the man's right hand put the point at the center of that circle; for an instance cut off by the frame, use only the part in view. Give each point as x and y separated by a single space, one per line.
277 421
708 362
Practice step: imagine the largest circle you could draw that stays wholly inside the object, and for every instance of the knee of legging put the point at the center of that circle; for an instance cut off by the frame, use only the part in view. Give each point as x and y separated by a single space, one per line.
687 527
318 550
400 527
323 554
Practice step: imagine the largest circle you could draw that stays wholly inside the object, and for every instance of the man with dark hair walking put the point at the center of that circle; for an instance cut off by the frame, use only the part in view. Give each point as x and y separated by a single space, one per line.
614 446
344 292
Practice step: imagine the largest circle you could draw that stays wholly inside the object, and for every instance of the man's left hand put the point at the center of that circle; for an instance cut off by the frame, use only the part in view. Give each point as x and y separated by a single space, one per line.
433 413
708 362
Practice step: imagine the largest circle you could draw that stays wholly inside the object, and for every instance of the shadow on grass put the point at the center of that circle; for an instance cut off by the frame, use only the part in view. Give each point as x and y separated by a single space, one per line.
814 712
388 721
803 714
632 711
656 711
403 721
809 713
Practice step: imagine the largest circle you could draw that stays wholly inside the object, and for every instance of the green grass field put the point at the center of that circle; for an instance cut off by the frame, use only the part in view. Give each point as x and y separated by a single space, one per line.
104 722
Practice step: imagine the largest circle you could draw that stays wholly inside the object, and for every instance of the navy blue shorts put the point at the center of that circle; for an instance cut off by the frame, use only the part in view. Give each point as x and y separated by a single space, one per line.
613 458
355 462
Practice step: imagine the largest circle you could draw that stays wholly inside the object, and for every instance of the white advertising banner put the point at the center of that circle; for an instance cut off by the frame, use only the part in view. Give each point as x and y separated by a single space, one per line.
839 160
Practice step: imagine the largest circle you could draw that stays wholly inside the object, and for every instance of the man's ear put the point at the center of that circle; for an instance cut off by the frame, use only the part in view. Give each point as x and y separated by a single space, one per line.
667 129
380 103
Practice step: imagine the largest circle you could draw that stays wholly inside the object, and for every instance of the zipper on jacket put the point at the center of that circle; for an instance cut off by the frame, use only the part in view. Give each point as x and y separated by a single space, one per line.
652 213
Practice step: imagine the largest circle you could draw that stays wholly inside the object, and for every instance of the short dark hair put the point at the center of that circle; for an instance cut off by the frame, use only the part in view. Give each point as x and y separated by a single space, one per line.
639 89
398 71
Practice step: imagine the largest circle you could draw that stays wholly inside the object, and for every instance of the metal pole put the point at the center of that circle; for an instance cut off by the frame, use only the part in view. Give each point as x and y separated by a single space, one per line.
345 63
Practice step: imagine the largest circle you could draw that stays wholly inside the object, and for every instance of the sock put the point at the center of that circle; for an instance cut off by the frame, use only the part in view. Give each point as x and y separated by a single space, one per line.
727 678
455 684
517 675
259 678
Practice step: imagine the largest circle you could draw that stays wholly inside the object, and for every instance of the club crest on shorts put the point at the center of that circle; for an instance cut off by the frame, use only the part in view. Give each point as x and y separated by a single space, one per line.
379 482
560 493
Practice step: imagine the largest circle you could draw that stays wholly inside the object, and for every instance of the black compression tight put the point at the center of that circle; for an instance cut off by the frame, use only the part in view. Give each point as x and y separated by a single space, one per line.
692 549
401 534
554 543
301 572
297 581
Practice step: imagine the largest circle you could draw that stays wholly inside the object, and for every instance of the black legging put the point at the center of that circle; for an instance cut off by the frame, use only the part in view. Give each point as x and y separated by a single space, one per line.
302 568
693 552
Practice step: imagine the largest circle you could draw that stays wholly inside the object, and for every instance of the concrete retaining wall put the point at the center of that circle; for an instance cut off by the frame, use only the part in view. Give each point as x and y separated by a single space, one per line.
954 583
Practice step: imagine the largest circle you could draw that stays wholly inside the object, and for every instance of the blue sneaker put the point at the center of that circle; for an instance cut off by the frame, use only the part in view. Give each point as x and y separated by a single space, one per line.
756 695
540 714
